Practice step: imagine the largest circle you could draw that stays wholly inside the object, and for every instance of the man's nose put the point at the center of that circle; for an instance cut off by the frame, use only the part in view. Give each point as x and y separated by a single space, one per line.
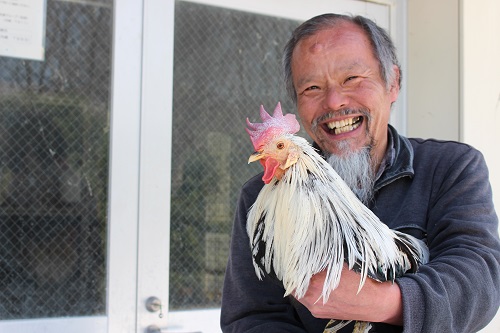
336 98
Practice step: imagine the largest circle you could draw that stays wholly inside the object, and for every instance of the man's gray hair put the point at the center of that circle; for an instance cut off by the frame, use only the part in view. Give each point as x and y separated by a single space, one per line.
383 47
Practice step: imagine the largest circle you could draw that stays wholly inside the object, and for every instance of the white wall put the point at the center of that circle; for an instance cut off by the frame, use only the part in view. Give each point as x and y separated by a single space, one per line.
433 69
480 106
480 89
454 79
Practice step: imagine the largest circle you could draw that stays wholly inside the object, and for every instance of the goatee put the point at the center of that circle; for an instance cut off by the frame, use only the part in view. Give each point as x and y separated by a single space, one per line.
355 168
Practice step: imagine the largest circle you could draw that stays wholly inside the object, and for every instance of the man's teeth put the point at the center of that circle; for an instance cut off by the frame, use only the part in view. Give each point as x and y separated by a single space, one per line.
344 125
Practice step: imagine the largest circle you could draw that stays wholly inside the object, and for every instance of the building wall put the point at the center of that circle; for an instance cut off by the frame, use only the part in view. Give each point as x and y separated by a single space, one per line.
433 69
454 79
480 89
480 77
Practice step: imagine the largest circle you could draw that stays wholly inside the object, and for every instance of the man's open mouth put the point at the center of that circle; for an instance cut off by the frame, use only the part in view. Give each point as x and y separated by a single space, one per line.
344 125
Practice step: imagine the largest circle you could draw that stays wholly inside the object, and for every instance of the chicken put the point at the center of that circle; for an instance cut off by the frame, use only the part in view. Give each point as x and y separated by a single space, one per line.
306 219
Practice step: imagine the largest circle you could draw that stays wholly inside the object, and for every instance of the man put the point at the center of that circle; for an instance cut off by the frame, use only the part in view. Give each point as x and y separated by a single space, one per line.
343 74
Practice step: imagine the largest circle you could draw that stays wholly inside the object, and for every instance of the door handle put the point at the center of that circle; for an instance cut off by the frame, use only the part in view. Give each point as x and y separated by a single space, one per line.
156 329
153 304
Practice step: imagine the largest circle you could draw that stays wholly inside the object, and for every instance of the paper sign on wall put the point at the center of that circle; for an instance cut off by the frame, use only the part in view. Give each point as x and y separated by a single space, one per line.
22 28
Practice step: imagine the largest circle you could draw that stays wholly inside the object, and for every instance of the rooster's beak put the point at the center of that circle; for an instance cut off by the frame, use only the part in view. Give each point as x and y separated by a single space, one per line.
255 157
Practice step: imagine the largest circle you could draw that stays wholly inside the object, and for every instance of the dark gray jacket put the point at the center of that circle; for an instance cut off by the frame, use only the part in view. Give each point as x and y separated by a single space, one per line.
434 190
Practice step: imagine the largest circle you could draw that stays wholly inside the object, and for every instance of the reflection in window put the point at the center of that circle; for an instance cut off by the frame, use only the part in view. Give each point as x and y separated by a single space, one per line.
53 168
226 63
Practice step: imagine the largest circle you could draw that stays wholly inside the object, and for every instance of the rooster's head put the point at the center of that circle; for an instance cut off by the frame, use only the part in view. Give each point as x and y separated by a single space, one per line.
271 140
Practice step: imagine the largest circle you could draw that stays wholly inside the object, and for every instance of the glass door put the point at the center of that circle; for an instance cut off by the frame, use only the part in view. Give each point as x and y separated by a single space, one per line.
69 161
122 154
54 141
226 64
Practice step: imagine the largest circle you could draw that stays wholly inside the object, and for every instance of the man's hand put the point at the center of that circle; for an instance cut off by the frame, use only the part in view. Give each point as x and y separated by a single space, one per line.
376 302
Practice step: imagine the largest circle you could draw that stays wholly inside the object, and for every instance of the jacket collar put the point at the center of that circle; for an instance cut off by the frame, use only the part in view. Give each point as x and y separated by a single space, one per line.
399 159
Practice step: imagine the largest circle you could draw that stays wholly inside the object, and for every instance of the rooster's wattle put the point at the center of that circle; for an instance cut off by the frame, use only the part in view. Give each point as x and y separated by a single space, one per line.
306 220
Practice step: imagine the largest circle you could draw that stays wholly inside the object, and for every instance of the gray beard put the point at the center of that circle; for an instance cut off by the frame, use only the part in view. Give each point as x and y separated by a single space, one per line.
355 168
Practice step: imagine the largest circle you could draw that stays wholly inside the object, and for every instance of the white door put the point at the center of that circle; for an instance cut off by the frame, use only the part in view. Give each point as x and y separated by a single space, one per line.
122 154
226 63
63 136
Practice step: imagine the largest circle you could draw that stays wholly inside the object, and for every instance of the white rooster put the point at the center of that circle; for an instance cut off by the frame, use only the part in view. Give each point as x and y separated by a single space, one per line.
307 220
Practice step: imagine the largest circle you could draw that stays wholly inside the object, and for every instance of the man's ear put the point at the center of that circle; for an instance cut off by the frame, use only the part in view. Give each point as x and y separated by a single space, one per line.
394 85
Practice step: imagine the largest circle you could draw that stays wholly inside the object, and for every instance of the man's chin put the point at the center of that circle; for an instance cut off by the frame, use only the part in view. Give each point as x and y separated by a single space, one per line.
341 148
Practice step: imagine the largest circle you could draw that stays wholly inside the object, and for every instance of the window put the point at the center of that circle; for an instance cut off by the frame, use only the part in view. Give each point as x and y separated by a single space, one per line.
226 64
54 167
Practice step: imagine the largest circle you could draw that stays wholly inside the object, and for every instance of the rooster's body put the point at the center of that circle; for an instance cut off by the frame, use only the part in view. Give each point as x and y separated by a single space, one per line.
307 220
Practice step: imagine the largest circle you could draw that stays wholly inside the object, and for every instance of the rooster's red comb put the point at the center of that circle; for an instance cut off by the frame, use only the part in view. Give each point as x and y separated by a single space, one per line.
260 133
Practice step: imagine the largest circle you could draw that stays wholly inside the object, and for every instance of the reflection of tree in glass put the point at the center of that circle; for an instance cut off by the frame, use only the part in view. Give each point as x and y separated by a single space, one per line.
188 227
54 167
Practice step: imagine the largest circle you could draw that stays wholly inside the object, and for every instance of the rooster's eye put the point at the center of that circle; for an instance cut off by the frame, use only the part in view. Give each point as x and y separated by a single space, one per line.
280 145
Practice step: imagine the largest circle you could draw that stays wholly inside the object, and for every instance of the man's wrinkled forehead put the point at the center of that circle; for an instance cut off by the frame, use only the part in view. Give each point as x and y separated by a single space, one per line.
330 36
334 38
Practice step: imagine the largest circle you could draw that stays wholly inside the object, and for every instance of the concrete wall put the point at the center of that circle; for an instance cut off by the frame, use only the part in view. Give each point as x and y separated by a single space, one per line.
480 89
480 78
454 79
433 69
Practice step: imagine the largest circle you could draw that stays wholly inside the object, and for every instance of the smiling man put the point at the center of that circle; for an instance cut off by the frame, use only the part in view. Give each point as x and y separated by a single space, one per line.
344 76
343 100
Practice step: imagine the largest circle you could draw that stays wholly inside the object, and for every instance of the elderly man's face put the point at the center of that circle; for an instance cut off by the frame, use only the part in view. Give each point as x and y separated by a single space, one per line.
343 102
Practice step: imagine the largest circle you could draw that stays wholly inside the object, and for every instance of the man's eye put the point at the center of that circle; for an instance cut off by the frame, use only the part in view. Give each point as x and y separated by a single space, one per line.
309 90
350 78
